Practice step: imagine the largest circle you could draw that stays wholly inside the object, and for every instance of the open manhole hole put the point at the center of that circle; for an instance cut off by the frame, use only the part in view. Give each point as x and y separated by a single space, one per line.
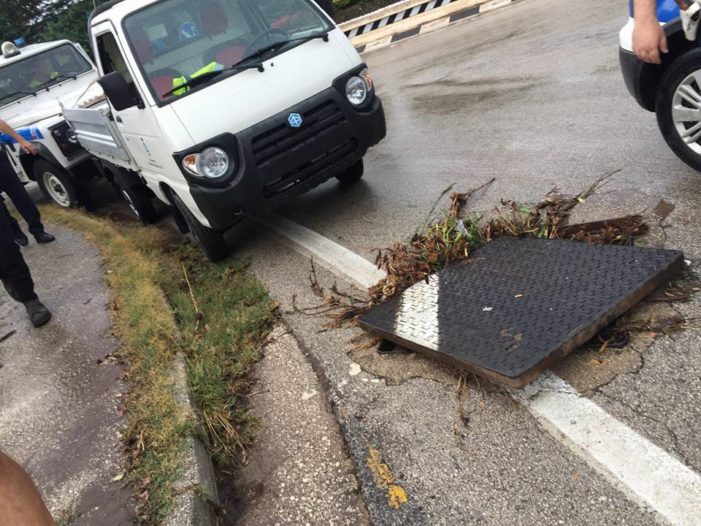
520 305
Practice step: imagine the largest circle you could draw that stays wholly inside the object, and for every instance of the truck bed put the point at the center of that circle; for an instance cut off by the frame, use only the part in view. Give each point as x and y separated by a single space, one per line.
92 122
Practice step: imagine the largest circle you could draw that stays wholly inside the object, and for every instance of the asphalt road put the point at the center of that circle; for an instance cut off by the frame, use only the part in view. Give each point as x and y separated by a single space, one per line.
531 95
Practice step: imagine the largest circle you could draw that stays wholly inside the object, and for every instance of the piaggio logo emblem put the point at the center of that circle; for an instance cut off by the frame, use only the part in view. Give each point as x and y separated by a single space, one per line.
295 120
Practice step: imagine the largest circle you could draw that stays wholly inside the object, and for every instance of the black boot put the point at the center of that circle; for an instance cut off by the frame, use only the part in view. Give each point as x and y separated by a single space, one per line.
44 237
38 313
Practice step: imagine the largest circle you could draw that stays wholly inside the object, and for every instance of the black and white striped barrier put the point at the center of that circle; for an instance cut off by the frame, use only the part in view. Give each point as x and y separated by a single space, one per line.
409 18
397 17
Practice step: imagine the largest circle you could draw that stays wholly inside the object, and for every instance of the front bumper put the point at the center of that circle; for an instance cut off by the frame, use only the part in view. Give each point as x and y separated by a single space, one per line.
278 162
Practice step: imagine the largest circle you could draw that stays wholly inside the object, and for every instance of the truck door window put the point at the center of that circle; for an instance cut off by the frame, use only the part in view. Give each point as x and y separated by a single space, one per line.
111 57
175 40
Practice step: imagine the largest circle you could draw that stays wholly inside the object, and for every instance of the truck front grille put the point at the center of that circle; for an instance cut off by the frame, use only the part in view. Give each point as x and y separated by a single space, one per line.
282 139
312 173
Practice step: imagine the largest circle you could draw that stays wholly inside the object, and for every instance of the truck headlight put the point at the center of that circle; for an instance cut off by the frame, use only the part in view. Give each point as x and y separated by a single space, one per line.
358 88
211 163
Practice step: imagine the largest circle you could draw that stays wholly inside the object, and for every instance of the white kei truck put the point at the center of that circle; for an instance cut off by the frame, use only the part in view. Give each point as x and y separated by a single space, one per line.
35 81
224 108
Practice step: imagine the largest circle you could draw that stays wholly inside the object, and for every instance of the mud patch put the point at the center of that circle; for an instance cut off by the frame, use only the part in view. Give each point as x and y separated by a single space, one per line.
489 81
451 102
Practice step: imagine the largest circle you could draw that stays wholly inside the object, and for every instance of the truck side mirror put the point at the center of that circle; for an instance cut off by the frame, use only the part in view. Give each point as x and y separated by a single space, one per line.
118 91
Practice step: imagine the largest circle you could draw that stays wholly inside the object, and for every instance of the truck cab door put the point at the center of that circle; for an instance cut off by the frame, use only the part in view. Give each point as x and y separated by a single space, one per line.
137 124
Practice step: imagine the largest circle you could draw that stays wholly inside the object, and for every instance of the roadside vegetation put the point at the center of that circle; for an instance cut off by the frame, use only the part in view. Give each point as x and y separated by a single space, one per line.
166 298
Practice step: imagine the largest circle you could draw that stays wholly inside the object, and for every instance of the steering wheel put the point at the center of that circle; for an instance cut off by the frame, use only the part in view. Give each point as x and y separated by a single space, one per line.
253 47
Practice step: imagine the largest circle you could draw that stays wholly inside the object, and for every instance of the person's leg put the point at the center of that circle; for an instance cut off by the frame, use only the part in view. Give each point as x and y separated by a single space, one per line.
15 190
15 275
20 237
20 502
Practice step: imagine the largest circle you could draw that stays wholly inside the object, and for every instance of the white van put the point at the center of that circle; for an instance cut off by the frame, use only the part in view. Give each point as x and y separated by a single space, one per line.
224 108
35 81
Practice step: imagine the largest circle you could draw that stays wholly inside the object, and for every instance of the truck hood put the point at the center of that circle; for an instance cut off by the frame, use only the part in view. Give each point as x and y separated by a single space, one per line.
46 104
249 97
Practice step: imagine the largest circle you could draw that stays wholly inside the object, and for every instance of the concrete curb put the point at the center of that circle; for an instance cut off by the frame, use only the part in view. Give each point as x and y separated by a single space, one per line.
409 18
197 488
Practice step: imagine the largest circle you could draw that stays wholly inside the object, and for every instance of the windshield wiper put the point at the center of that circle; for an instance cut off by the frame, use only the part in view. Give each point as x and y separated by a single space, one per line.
275 45
205 77
55 80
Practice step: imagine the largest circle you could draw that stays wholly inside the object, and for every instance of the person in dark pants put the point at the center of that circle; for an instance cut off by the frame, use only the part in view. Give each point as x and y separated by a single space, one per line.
15 275
12 186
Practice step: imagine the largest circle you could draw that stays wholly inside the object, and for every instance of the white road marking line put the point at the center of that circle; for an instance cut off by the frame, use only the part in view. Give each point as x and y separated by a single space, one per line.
643 471
339 260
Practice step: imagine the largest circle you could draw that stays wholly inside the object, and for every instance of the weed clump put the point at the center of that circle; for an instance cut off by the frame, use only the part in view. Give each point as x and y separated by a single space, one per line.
454 236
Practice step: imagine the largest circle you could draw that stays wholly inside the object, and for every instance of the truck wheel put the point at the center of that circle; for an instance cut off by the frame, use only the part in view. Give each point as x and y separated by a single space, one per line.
139 200
352 174
210 241
678 107
56 184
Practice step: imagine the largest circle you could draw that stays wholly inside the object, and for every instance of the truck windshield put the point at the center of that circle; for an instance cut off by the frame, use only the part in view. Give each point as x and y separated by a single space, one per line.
176 41
40 71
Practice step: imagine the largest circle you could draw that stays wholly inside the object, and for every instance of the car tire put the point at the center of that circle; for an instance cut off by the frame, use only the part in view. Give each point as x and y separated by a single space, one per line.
352 174
210 241
139 200
676 93
56 184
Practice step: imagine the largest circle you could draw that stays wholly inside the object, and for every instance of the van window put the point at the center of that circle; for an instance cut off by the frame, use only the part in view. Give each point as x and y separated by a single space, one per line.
177 40
110 56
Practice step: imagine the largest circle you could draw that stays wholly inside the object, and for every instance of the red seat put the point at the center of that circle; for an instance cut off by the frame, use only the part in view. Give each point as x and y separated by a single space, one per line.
161 85
141 45
230 55
283 21
214 19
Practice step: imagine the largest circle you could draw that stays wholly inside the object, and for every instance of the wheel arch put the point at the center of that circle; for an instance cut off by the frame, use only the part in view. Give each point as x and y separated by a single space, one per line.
28 160
177 216
651 74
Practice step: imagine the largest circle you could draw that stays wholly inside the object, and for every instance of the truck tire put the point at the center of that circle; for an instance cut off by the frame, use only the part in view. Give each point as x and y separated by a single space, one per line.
210 241
678 107
139 200
352 174
56 184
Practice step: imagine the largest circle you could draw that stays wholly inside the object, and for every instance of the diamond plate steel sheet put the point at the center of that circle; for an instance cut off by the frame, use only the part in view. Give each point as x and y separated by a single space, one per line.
519 305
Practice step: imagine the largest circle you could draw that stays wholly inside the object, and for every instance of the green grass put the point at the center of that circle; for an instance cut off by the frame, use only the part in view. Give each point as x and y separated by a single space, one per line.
221 334
155 317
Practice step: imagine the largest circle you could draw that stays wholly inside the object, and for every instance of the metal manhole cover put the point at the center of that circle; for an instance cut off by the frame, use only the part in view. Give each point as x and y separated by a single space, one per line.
520 304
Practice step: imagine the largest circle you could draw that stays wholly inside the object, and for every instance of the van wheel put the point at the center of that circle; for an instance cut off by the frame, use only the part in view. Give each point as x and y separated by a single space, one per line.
678 107
56 184
210 241
352 174
139 200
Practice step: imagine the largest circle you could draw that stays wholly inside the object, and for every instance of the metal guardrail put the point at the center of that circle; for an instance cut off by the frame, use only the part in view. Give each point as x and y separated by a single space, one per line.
408 18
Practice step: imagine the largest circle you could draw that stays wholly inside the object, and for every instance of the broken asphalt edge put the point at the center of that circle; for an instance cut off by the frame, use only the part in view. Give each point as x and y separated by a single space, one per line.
356 445
410 18
196 489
